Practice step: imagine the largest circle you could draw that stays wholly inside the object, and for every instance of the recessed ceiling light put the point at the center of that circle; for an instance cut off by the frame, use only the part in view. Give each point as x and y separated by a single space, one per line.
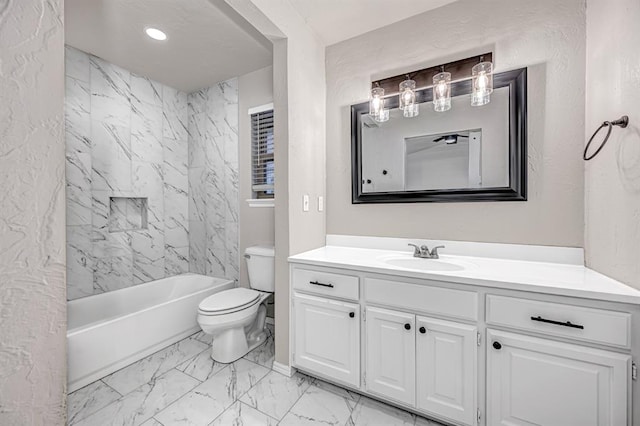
156 34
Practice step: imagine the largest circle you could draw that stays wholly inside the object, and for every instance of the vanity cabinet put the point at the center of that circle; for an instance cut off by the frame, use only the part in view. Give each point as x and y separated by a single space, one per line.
327 337
391 354
533 381
446 368
463 354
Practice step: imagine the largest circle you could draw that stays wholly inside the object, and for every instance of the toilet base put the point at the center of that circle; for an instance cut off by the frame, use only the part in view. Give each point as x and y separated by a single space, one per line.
233 343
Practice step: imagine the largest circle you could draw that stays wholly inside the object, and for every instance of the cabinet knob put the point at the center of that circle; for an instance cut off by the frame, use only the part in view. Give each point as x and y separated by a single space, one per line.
423 330
497 345
407 326
352 314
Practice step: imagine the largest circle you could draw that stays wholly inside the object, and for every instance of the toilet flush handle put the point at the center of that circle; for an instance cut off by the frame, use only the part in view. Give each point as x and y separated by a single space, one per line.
247 256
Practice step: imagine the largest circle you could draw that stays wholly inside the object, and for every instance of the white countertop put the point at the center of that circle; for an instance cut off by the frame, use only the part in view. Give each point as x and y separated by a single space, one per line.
540 277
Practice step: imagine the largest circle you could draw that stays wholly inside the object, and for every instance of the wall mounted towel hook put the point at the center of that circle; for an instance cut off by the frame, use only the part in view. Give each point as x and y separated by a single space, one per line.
621 122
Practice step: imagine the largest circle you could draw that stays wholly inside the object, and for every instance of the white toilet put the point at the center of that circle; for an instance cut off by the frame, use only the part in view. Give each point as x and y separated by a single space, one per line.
236 317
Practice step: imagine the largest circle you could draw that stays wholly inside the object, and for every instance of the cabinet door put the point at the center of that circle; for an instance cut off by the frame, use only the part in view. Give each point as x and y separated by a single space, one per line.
391 354
327 338
533 381
446 369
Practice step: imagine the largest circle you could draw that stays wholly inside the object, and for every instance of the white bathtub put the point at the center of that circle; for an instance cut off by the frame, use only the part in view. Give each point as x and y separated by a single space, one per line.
109 331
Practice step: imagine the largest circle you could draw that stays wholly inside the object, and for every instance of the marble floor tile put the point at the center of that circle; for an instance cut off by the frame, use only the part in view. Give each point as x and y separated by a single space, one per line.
342 392
140 405
369 412
203 337
240 414
263 354
152 422
145 370
276 393
319 407
421 421
88 400
210 399
202 367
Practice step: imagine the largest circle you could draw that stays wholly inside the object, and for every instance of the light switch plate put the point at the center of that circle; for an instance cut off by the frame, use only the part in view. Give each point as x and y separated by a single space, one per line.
305 203
320 203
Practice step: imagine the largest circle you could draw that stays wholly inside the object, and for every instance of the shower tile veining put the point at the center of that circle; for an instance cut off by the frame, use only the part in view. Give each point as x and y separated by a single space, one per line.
182 385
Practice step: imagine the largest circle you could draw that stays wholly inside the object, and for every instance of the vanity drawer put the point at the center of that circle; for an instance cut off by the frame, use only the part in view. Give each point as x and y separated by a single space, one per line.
423 298
326 283
588 324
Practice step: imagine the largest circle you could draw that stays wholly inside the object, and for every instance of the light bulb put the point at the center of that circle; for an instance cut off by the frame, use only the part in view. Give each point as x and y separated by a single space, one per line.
442 92
407 103
482 83
376 105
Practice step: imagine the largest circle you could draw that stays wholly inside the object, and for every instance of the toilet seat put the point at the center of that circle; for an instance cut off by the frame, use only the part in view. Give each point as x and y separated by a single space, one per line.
229 301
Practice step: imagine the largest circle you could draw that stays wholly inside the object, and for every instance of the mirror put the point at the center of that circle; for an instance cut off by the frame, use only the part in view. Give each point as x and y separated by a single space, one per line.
464 154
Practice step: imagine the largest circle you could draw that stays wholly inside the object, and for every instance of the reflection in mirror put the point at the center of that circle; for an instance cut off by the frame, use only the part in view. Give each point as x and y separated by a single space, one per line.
465 153
465 147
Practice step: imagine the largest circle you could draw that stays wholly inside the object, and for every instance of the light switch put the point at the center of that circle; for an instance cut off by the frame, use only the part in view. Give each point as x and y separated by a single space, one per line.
305 203
320 203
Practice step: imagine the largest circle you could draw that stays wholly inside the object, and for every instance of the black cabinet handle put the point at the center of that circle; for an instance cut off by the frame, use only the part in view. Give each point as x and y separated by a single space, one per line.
422 330
564 324
497 345
321 284
352 314
407 326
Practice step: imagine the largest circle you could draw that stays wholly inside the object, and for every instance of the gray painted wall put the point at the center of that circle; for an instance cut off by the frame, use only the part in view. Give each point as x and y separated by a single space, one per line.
546 36
612 192
258 224
33 369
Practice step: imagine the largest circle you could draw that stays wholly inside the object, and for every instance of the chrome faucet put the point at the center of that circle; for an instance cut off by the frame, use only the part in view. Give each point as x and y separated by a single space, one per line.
424 253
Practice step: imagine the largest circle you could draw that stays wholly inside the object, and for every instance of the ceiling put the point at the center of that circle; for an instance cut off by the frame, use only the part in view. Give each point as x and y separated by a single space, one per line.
207 41
338 20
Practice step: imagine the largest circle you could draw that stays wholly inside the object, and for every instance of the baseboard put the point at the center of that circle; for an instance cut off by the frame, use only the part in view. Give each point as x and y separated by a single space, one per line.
287 370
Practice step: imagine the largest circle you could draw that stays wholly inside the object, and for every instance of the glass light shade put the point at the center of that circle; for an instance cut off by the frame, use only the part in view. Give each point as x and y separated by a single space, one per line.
482 83
407 95
411 111
442 91
376 105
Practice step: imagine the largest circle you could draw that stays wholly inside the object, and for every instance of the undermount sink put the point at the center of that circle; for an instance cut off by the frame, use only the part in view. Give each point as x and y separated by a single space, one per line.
420 264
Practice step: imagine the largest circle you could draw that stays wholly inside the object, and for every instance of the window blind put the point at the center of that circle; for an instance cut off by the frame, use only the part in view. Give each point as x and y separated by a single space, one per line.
262 153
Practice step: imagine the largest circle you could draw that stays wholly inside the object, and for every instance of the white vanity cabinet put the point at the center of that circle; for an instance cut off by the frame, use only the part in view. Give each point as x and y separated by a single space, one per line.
446 369
326 331
391 354
467 354
533 381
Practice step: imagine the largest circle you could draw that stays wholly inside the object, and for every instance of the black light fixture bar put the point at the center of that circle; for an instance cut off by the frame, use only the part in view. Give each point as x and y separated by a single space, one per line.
459 70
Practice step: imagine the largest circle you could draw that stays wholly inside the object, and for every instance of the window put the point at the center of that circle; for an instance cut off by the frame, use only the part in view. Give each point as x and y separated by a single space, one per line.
262 152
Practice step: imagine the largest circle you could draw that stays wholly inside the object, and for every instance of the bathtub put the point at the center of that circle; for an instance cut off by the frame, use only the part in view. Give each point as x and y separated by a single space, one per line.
109 331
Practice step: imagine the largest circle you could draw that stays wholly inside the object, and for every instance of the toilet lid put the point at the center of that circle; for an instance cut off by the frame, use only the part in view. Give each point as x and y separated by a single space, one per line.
234 299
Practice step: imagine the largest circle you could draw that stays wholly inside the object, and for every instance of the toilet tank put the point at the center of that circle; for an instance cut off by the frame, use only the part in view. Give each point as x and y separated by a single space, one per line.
261 267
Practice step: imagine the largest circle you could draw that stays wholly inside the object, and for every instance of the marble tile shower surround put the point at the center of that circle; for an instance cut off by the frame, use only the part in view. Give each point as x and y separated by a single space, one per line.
213 180
127 136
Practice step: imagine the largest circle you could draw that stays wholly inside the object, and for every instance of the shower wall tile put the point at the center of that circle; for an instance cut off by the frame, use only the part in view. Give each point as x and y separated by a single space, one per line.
148 254
110 93
111 157
126 137
146 133
145 91
78 190
213 179
77 64
176 260
79 262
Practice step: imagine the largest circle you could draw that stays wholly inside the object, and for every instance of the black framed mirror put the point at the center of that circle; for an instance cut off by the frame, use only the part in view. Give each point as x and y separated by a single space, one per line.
465 154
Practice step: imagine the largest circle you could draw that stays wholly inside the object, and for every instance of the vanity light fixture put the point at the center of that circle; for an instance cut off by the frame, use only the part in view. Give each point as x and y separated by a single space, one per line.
442 91
407 103
482 83
156 34
376 105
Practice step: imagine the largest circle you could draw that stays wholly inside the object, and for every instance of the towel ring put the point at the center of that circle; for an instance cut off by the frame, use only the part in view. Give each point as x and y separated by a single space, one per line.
622 122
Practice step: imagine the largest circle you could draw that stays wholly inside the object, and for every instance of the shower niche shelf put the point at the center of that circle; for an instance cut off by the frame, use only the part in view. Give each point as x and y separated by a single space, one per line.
127 214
